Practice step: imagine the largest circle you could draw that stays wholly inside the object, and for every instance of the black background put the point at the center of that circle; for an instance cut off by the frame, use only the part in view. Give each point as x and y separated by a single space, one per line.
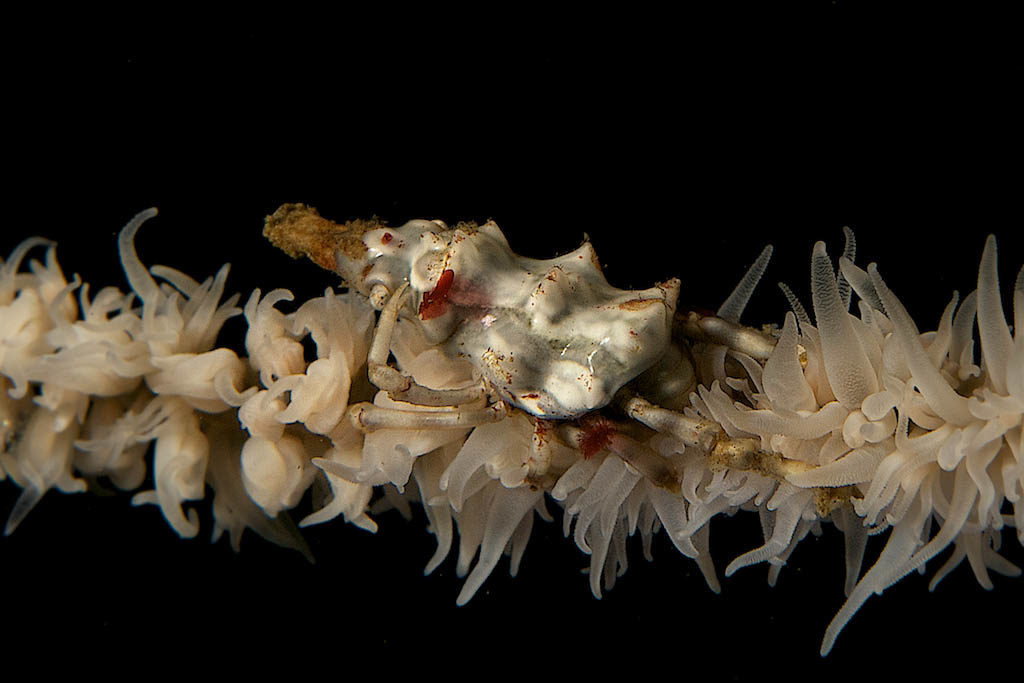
679 144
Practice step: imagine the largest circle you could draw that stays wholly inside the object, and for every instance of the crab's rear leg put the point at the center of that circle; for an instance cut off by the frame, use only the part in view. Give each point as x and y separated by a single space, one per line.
722 450
368 417
691 431
402 387
712 329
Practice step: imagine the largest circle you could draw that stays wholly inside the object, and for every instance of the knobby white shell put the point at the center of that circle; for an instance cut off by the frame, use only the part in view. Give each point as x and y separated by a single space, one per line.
551 336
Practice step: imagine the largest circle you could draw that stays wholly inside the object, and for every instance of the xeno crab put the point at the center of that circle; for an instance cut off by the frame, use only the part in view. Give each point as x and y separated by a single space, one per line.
457 374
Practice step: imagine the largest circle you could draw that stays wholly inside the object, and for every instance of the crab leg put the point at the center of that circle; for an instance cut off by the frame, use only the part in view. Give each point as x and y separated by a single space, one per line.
691 431
722 450
368 418
710 328
401 387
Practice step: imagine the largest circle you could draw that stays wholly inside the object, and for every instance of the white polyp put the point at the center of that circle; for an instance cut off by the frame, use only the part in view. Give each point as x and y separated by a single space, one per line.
275 474
849 253
179 466
849 372
856 467
785 525
784 379
1018 305
938 347
138 277
861 283
509 509
733 306
42 459
272 349
937 393
798 308
996 342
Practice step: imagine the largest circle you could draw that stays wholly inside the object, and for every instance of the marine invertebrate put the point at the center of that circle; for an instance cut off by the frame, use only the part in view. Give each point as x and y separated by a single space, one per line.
858 420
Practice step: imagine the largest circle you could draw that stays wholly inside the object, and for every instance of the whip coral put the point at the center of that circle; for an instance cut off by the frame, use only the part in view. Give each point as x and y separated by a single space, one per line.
890 411
857 419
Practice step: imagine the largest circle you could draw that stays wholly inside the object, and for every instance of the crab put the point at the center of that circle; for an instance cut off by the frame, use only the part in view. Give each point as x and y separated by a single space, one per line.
551 338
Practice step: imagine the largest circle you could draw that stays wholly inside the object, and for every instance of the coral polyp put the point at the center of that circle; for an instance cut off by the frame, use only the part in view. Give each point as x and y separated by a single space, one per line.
450 372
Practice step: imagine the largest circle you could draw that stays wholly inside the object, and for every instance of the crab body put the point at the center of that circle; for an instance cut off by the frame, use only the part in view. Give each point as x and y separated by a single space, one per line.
550 337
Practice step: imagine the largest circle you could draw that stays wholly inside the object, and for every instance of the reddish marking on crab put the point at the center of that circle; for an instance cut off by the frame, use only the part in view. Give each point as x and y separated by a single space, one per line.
541 432
596 434
435 302
386 238
467 294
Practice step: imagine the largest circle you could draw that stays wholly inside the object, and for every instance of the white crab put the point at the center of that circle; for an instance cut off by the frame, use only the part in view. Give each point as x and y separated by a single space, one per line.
549 337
